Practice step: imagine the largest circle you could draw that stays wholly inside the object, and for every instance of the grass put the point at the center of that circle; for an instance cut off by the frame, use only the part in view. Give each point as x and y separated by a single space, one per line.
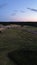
23 56
15 39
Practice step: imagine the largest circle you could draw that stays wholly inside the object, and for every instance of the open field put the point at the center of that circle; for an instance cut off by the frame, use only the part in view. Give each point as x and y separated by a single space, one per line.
15 39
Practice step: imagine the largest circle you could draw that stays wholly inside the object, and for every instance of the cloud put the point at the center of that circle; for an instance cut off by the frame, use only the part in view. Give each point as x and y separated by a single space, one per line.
22 11
3 5
13 14
15 10
32 9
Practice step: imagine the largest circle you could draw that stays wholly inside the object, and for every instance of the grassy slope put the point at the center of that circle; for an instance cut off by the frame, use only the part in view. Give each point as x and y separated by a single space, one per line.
12 39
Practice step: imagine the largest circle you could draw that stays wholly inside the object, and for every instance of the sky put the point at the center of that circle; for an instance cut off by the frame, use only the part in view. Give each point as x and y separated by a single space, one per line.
18 10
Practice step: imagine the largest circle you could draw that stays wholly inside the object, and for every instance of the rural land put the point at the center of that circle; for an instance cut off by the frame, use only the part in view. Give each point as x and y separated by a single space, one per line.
18 44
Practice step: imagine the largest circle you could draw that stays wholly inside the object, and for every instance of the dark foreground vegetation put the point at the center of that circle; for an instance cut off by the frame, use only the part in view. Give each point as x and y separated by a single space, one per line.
24 57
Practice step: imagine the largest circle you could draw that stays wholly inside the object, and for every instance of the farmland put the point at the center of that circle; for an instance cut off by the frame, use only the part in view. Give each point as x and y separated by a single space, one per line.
16 38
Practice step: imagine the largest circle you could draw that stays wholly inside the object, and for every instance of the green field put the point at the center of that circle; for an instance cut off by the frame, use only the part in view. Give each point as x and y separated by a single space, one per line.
15 39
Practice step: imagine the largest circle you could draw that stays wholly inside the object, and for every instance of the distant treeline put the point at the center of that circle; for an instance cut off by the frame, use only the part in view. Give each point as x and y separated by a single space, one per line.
20 23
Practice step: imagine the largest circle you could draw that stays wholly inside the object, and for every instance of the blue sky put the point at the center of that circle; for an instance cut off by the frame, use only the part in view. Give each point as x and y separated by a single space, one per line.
18 10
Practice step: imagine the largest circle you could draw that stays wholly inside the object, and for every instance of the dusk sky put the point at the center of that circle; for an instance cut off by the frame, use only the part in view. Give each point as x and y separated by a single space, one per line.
18 10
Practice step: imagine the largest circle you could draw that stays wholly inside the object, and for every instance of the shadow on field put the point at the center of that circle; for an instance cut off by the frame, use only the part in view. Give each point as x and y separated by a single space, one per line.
23 57
0 31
